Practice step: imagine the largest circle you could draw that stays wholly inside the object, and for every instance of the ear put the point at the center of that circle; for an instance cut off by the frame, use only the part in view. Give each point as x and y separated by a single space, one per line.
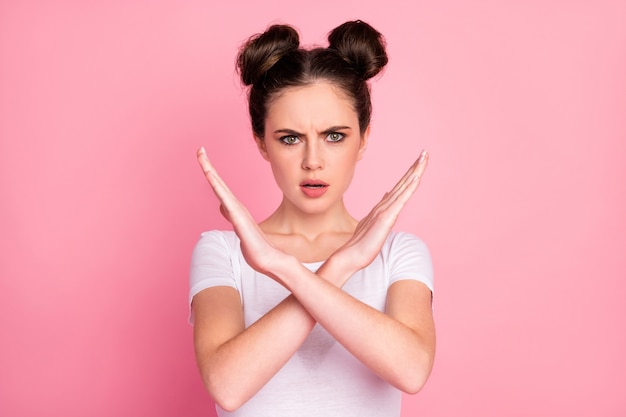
260 143
364 138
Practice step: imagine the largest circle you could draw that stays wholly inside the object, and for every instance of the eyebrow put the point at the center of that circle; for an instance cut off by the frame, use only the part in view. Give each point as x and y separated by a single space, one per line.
324 132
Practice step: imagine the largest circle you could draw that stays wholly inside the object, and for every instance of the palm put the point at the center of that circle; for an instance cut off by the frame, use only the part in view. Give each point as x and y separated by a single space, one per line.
257 250
359 251
373 229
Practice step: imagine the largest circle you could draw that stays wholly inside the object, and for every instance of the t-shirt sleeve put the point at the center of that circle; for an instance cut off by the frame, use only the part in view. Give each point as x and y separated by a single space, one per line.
211 263
409 258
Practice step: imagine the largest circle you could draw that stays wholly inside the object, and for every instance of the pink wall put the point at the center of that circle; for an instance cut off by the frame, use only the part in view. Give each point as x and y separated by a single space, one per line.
523 109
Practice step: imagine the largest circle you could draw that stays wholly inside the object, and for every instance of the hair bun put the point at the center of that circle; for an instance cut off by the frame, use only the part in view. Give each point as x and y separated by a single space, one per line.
361 46
262 51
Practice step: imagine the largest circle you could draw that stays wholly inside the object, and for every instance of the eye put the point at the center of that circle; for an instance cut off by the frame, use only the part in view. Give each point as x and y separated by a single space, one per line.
289 140
335 137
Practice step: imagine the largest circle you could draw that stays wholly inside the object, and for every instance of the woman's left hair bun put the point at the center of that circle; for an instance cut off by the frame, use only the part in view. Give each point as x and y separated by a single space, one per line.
361 46
261 52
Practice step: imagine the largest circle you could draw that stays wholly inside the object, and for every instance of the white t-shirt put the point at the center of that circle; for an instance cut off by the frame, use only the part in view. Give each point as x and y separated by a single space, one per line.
322 378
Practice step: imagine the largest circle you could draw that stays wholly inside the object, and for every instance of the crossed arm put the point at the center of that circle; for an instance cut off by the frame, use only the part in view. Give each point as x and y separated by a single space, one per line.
398 345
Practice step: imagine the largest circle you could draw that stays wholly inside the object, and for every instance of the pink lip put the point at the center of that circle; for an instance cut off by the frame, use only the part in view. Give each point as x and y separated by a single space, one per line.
313 188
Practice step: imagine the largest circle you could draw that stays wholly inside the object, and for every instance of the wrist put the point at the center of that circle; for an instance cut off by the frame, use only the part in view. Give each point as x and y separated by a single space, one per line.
336 270
283 270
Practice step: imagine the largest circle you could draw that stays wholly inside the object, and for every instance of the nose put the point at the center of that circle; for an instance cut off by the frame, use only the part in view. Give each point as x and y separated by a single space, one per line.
312 158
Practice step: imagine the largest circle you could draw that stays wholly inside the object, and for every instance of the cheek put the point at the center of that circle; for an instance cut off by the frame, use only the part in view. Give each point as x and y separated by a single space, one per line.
349 159
282 171
346 166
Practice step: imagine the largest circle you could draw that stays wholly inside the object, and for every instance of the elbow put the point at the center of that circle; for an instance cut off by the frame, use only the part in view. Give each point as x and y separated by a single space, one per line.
229 405
413 384
226 397
414 377
224 384
226 403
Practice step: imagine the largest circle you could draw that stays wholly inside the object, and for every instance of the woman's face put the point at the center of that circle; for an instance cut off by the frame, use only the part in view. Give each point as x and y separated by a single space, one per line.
313 142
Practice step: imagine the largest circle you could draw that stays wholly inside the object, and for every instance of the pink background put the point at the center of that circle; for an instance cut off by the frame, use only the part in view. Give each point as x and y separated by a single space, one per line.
522 106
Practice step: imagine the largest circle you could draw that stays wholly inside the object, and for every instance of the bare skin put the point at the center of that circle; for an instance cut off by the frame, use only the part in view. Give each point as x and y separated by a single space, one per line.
312 133
398 345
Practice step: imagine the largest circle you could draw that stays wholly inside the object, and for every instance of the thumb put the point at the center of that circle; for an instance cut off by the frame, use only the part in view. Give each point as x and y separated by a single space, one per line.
224 213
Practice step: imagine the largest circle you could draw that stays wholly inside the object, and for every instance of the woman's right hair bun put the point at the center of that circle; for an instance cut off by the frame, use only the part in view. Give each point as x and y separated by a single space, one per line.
261 52
361 46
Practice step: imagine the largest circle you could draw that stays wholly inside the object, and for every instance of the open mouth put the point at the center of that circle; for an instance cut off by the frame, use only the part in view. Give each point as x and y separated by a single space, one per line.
313 184
313 188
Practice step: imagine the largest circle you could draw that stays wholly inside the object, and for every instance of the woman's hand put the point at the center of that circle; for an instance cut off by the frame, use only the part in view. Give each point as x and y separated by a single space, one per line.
257 250
373 229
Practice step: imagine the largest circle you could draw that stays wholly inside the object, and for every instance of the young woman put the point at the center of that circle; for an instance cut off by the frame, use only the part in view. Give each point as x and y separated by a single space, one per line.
311 312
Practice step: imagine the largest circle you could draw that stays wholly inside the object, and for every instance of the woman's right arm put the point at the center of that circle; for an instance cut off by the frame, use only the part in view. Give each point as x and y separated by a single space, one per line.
235 362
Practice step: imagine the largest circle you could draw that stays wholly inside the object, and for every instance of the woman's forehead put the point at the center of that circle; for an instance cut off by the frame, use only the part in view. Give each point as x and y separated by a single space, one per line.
318 102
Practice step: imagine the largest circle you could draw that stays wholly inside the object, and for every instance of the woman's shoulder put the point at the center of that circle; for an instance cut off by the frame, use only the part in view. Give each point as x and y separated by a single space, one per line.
224 239
218 234
398 240
408 257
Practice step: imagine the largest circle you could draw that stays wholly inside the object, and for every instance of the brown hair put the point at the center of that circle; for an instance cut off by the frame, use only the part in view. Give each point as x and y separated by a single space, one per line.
273 61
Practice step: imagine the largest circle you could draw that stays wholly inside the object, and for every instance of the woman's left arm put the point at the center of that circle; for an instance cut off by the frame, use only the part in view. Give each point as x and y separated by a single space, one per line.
398 344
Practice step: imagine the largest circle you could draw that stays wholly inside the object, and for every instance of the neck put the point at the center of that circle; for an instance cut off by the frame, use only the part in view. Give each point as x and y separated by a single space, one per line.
288 220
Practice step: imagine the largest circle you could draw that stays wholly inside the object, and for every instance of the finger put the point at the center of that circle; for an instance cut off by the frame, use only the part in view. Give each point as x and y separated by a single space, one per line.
384 215
415 177
204 162
417 169
225 213
217 183
406 178
391 195
207 167
422 164
414 180
401 194
415 172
